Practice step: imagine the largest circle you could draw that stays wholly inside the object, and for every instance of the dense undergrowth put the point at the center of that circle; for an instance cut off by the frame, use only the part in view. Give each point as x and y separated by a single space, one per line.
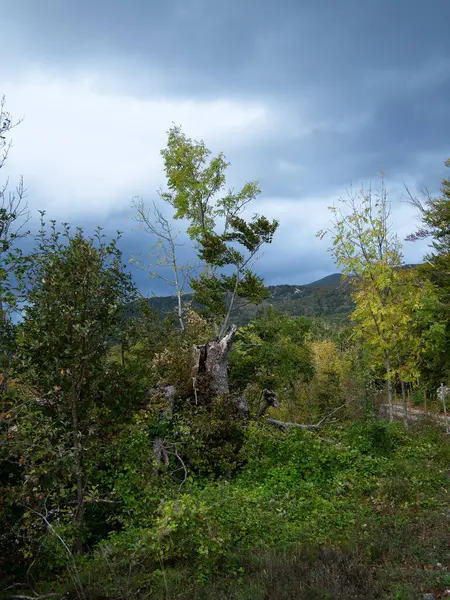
356 510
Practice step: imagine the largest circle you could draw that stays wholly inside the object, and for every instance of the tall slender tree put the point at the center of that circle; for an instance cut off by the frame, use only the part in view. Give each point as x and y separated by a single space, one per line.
387 298
226 242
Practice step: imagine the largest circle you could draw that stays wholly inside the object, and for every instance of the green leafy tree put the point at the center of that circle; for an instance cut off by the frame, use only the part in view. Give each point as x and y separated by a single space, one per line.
76 291
14 215
435 215
272 352
227 243
387 297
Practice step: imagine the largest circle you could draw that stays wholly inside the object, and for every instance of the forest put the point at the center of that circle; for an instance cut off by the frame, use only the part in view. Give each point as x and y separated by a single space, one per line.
208 450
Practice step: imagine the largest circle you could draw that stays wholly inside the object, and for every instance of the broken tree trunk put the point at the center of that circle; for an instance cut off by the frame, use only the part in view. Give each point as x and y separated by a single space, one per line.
269 399
210 368
164 396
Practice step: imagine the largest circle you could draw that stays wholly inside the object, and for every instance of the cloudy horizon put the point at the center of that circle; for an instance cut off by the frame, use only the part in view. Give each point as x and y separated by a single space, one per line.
305 97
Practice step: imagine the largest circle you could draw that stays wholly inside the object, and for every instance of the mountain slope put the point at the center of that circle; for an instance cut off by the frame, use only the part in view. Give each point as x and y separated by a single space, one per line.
333 280
327 298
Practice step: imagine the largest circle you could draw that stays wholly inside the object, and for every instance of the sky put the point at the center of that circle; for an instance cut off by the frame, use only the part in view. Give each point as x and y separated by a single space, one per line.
305 96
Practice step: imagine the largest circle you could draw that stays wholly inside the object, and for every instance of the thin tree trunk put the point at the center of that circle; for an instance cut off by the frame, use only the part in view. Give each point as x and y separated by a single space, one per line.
442 393
387 364
405 404
230 307
177 283
403 388
180 310
78 516
5 374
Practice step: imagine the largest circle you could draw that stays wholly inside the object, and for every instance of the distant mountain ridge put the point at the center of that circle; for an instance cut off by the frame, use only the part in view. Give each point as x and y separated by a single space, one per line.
334 280
327 298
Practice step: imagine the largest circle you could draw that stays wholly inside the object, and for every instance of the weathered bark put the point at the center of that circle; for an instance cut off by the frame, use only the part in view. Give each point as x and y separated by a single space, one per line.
161 455
210 368
270 399
166 394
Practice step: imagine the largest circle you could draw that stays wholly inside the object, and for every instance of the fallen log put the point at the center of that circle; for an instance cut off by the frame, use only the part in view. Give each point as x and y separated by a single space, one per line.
287 424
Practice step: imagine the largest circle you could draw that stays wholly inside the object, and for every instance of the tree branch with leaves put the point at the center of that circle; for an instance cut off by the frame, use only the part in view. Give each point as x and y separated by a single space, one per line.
14 217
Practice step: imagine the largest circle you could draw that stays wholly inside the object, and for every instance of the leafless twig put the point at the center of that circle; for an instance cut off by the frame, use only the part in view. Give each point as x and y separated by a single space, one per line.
155 223
76 574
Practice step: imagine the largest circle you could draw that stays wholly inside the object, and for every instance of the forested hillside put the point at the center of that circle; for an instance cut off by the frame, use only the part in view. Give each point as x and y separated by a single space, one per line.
328 298
222 445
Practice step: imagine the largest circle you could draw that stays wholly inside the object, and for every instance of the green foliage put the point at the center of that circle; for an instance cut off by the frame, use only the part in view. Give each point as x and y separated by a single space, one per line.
392 313
436 220
152 350
375 438
211 438
272 352
111 488
366 482
195 181
14 216
172 363
72 395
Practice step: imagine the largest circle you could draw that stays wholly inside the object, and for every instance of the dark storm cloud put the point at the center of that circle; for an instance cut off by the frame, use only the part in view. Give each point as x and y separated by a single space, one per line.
250 46
360 85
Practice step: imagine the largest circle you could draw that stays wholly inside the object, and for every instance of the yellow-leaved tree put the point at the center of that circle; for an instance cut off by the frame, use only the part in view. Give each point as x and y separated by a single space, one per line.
391 301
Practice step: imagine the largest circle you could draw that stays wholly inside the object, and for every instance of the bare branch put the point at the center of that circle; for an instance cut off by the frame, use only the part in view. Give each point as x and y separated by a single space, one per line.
183 466
154 223
6 125
413 200
37 597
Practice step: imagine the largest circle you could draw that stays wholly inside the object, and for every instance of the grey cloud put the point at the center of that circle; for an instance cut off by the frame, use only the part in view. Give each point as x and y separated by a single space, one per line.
256 46
359 86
